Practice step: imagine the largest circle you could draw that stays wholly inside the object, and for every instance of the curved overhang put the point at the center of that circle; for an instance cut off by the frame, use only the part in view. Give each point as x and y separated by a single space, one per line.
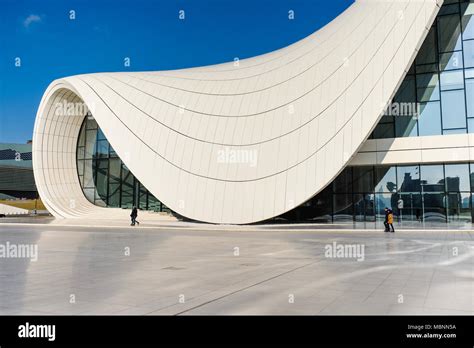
244 141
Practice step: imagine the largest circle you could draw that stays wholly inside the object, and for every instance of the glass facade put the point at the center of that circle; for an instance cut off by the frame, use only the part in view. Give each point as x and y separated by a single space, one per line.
440 83
431 193
105 179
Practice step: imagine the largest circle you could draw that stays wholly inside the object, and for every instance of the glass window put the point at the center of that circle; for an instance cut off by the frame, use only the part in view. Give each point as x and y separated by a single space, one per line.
114 182
454 131
155 205
467 21
98 201
143 198
90 143
408 207
89 193
403 108
320 209
102 148
363 179
432 178
449 33
408 178
100 135
88 177
385 179
114 194
452 80
82 137
80 152
102 174
321 206
386 119
459 208
469 54
80 167
427 87
434 207
469 73
426 68
106 181
405 126
453 109
470 97
457 177
112 152
427 53
114 169
406 93
471 176
450 61
90 123
470 125
429 122
343 182
383 131
449 9
128 187
383 200
364 207
343 209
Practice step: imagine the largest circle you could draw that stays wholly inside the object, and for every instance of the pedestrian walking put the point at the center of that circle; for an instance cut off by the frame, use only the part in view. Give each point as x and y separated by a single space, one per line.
390 221
134 216
385 222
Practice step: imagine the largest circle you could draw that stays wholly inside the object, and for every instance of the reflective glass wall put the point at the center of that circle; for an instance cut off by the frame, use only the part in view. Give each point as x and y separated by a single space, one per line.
431 193
440 82
105 179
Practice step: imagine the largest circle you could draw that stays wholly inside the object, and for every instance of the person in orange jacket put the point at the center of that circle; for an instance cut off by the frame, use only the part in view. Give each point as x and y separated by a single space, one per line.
388 220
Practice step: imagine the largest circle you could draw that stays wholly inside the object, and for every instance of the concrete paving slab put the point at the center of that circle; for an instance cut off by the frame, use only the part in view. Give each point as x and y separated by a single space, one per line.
175 268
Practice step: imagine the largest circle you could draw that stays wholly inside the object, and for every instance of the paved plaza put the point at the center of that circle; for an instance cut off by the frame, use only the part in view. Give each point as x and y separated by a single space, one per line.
179 268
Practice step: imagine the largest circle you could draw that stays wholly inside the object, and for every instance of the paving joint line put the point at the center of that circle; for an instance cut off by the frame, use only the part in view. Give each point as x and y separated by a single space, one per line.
247 287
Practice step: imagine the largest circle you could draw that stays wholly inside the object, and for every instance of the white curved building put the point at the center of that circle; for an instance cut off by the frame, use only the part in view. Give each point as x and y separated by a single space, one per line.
245 141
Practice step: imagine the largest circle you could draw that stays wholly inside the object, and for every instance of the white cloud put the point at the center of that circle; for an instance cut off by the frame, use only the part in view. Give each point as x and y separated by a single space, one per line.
32 18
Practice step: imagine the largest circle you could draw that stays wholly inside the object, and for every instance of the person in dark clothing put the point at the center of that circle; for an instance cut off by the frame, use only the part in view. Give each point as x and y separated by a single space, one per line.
390 220
134 216
385 222
388 223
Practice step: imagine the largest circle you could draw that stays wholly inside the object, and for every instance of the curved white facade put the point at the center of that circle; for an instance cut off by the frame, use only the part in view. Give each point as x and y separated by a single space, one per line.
244 141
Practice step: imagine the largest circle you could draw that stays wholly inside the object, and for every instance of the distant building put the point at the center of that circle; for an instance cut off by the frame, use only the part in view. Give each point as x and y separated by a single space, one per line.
16 172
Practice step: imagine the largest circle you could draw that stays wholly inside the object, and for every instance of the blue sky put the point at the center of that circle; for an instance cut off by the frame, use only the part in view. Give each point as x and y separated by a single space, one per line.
51 45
